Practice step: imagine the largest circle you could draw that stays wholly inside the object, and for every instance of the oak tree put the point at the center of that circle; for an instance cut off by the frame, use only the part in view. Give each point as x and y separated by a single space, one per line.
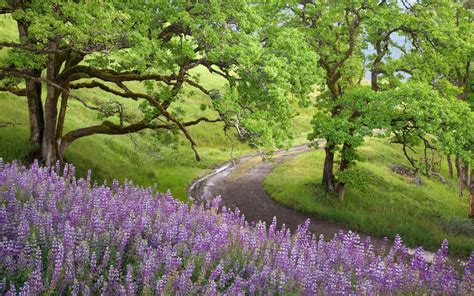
147 52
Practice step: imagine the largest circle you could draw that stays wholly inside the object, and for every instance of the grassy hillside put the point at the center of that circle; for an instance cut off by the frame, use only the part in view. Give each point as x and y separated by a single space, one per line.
141 157
387 205
144 158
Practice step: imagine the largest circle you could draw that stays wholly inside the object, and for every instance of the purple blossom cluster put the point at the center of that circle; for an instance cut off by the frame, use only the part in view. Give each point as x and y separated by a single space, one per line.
62 235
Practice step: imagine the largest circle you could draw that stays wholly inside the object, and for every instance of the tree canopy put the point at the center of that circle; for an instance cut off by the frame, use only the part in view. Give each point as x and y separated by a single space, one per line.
148 52
418 56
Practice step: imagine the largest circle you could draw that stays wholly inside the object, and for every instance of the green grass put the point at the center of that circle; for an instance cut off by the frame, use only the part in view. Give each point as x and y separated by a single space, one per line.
139 157
387 205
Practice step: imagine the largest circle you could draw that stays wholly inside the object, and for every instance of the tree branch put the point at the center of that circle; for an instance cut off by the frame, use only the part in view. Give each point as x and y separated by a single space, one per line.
117 77
112 76
201 119
94 83
4 10
173 29
109 128
16 91
198 86
29 48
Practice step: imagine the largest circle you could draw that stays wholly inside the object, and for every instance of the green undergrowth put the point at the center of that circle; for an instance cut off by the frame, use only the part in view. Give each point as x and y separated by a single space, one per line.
385 205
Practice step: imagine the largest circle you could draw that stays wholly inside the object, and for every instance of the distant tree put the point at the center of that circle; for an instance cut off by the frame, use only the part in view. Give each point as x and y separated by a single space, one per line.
421 116
407 98
123 48
360 112
439 52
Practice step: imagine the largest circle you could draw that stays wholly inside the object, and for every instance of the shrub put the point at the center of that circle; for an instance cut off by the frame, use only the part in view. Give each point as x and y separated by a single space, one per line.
459 225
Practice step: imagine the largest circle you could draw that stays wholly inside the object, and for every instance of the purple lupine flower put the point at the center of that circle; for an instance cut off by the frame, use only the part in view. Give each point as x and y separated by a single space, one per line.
93 263
77 236
57 258
160 286
129 284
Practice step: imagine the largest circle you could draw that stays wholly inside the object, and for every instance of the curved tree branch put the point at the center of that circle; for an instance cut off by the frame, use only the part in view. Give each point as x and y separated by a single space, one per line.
82 71
149 98
110 128
29 48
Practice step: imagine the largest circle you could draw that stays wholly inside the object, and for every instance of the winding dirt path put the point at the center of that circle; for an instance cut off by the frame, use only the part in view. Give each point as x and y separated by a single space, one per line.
241 186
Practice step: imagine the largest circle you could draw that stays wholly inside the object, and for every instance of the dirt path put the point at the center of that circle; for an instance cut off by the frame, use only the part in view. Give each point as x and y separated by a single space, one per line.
241 186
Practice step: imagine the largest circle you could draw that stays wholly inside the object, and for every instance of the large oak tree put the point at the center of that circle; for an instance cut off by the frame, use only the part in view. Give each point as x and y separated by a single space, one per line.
147 51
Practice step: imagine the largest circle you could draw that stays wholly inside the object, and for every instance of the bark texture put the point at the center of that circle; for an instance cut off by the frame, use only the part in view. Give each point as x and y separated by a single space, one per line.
450 166
328 175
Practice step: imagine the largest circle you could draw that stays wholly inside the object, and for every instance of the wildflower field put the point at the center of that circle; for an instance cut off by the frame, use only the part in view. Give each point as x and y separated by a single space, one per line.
59 234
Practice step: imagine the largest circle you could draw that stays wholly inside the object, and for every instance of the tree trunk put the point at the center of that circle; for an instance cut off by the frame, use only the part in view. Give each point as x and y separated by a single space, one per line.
374 76
341 186
381 48
49 147
35 110
450 166
471 194
63 144
328 175
33 94
460 175
466 175
71 59
62 116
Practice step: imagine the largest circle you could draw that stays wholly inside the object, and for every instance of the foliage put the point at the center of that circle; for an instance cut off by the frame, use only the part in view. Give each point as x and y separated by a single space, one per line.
147 52
360 111
423 46
335 31
421 116
62 235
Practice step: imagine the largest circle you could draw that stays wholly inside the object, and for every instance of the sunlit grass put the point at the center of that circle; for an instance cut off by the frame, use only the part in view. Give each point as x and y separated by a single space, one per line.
388 205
